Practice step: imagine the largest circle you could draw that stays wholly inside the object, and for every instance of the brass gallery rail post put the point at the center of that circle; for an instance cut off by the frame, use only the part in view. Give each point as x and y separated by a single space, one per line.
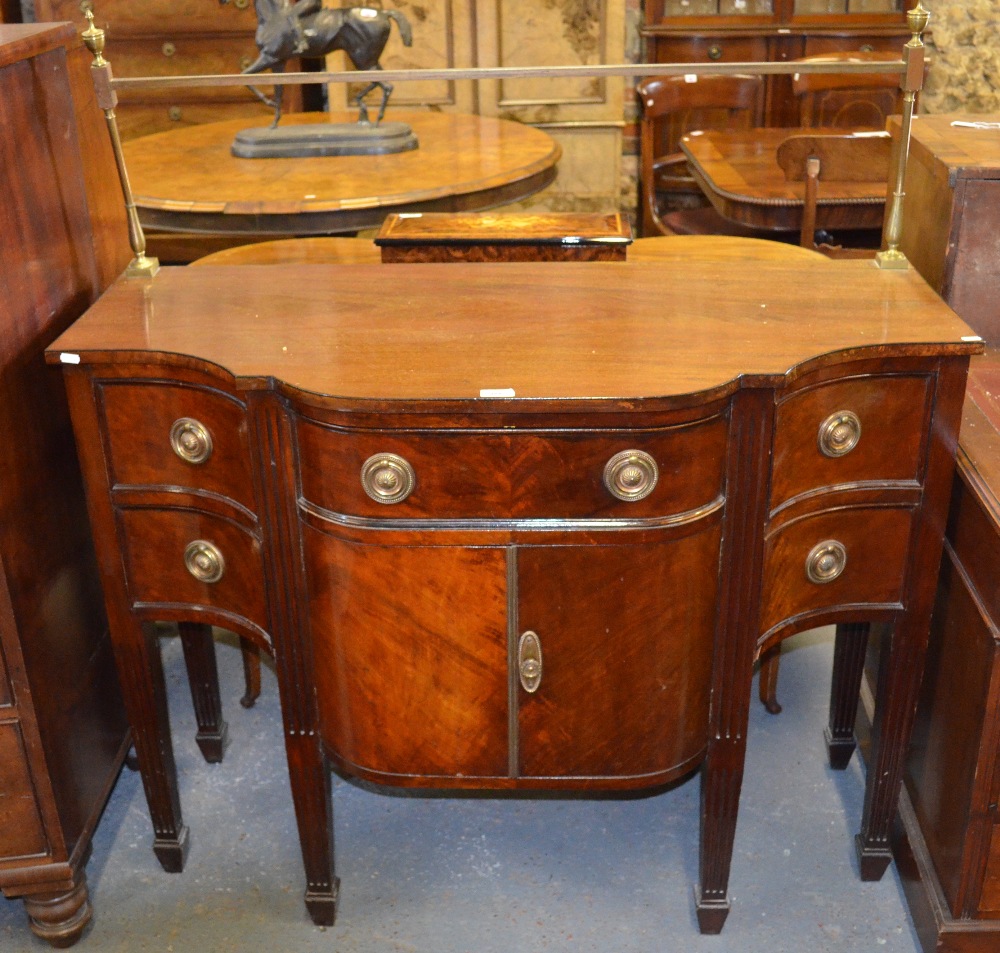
910 67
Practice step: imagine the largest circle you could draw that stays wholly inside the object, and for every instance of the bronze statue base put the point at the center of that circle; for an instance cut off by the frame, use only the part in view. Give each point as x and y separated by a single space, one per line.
324 139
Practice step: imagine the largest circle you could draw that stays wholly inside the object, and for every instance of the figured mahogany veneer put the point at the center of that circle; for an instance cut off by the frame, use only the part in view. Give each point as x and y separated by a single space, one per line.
514 527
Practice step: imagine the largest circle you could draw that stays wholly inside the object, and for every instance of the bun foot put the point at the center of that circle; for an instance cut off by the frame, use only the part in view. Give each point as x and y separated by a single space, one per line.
711 914
172 853
322 907
59 919
872 861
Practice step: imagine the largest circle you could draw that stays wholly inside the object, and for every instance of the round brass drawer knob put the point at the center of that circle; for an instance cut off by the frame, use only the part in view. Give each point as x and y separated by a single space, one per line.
839 433
631 475
826 561
191 440
168 49
715 52
387 478
204 561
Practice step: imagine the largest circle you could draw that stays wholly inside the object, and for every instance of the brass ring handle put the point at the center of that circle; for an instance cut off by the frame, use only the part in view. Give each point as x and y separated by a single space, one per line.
529 661
839 433
387 478
715 52
190 440
826 561
631 475
204 561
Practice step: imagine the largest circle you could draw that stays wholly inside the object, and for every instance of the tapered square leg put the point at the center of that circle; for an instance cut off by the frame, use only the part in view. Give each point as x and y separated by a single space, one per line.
203 679
848 666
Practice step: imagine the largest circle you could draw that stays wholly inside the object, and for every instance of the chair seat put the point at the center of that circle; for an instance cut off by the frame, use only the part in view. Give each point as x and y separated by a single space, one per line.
707 221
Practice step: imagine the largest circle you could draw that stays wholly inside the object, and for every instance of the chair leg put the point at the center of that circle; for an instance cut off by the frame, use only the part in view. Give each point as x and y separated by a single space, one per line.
770 661
251 671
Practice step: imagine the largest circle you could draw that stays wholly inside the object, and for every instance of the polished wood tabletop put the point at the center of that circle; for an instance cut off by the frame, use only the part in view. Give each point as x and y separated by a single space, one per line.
543 331
739 173
187 180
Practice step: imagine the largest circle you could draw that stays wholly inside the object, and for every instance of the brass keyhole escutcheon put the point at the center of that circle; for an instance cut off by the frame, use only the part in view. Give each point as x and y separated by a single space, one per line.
529 661
191 440
204 560
631 475
839 433
826 561
387 478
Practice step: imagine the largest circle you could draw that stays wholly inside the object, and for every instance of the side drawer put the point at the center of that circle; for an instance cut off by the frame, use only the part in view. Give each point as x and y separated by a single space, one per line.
145 422
720 48
21 830
466 475
156 544
814 427
146 119
874 541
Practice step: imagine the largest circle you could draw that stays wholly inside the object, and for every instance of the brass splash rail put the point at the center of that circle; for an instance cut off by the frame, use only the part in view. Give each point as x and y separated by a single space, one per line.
910 67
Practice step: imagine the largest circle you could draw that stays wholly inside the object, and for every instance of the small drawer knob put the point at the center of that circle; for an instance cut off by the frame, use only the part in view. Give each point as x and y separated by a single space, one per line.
839 433
204 561
387 478
631 475
191 440
826 561
168 48
529 661
715 52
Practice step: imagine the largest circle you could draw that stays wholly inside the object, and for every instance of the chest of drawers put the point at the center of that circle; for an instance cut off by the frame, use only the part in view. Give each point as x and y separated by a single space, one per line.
522 527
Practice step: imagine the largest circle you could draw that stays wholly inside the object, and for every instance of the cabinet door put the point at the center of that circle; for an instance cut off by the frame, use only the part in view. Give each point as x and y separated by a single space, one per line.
410 650
626 635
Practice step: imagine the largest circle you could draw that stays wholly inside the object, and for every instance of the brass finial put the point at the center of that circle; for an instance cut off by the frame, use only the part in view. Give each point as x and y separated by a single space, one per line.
916 21
94 40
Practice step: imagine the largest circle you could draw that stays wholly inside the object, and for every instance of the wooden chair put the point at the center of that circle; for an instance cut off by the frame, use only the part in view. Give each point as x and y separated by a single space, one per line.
671 107
848 100
840 158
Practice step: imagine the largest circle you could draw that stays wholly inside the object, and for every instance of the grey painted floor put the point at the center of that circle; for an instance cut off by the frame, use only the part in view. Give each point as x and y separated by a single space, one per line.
446 875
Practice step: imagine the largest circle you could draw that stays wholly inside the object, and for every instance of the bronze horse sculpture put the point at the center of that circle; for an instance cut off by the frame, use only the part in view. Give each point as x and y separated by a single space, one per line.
306 28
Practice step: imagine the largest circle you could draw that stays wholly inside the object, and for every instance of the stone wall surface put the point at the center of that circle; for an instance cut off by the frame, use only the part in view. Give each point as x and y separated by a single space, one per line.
965 50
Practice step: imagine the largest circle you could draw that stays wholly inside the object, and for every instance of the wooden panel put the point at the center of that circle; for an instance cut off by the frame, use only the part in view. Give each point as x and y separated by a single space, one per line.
144 455
154 541
410 682
971 288
6 696
21 831
891 411
499 475
876 541
625 672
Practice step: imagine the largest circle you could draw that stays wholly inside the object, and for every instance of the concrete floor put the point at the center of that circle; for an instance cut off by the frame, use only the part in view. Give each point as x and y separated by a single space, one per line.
449 875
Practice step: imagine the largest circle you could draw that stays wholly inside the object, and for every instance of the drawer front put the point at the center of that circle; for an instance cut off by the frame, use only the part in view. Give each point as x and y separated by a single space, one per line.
812 433
525 475
21 831
874 543
156 545
159 433
817 45
129 17
184 55
710 49
142 119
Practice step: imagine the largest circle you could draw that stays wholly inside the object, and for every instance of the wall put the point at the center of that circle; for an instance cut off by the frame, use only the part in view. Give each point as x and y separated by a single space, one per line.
966 56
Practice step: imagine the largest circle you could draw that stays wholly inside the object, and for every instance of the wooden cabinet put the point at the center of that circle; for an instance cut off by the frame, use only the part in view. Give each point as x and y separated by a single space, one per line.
518 527
63 239
711 31
950 230
159 38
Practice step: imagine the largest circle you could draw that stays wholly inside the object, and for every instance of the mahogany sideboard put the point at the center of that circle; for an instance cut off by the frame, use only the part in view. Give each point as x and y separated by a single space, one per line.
518 527
63 239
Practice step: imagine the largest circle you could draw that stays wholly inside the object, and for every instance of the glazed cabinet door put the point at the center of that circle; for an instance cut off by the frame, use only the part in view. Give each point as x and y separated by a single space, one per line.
624 634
